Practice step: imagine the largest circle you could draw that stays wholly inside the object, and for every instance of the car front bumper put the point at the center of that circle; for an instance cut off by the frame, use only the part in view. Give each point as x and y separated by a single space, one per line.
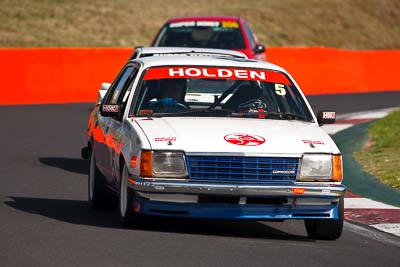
239 201
231 189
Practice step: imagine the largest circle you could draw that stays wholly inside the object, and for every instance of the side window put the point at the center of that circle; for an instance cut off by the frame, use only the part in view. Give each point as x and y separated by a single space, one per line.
250 35
118 89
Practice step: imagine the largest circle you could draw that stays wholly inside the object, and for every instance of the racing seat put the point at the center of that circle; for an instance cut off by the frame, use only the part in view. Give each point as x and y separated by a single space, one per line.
243 94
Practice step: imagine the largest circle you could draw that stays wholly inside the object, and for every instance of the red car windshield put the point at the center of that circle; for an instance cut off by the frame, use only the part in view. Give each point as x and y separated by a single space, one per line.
205 34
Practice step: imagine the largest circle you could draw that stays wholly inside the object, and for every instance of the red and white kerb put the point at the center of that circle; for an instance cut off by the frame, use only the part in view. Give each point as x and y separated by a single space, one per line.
216 73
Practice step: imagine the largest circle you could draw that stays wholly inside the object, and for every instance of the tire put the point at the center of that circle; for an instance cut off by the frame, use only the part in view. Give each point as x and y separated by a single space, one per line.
326 229
99 196
127 215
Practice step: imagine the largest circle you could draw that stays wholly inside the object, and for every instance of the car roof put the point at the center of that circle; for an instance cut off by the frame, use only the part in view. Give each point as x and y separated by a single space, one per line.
148 62
204 18
190 50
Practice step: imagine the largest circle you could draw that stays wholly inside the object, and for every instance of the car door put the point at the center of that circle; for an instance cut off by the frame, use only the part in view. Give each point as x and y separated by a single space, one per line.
106 124
115 124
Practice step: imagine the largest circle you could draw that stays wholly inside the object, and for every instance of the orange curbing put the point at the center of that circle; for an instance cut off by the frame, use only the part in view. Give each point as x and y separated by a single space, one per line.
65 75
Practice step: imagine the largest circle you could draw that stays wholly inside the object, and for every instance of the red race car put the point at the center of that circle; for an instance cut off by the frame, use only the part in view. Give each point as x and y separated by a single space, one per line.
225 32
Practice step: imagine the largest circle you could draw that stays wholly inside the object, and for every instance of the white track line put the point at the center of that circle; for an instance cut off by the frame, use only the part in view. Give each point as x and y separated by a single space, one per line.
392 228
334 128
374 114
371 233
371 114
365 203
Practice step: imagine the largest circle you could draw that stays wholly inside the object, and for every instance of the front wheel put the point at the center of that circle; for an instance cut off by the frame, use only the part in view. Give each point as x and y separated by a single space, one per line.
127 215
326 229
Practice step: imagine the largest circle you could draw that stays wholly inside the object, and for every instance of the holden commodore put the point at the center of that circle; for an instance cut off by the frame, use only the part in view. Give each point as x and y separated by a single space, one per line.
213 137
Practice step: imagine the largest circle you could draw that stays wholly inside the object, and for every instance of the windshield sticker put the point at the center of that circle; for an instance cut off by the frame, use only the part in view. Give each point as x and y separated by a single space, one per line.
244 139
196 23
217 73
182 24
207 23
229 24
280 89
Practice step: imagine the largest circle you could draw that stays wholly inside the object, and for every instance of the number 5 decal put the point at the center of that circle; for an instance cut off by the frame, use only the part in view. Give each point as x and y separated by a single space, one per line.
280 89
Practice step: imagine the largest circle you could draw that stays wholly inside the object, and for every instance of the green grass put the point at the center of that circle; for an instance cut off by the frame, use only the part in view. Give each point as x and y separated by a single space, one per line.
381 156
350 24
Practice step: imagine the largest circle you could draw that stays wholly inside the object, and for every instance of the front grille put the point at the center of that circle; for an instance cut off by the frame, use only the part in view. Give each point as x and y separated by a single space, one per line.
243 169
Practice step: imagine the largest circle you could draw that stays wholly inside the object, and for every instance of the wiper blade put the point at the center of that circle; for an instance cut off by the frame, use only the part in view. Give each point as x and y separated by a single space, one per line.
287 115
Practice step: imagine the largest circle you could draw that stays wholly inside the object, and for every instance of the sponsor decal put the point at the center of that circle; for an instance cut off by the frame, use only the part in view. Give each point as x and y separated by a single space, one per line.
207 23
314 142
200 24
229 24
217 73
159 187
193 54
328 115
241 139
110 108
283 172
165 139
182 24
298 191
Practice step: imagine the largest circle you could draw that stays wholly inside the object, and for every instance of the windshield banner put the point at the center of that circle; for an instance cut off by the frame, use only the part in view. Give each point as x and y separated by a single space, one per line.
217 73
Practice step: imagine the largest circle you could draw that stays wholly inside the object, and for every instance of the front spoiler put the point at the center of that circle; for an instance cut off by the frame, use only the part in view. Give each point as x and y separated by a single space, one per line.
230 189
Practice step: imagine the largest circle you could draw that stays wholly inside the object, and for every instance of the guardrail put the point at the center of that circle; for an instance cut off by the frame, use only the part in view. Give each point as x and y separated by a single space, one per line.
64 75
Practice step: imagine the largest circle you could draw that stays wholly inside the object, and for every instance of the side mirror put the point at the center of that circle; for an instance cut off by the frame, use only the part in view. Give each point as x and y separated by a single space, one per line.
259 49
110 111
102 92
326 117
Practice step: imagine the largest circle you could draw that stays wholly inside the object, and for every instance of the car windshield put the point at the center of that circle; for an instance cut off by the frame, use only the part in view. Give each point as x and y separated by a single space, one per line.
204 34
219 92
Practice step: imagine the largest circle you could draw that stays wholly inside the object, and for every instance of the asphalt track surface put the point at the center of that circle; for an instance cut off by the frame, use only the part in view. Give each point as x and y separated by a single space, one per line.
45 220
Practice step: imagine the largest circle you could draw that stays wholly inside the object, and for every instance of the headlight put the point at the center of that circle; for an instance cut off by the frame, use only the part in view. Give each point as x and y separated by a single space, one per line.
163 164
316 167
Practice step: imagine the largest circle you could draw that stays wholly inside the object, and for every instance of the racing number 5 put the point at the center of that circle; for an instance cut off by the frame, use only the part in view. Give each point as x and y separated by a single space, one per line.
280 89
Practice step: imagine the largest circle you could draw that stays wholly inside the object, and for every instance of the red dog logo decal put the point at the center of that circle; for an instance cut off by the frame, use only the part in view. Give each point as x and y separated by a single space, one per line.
244 139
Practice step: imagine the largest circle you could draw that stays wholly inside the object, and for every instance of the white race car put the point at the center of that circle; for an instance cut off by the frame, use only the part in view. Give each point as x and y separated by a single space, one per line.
213 137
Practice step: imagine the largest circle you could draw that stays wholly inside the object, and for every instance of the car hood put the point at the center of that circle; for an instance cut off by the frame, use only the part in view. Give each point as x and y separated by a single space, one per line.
235 135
